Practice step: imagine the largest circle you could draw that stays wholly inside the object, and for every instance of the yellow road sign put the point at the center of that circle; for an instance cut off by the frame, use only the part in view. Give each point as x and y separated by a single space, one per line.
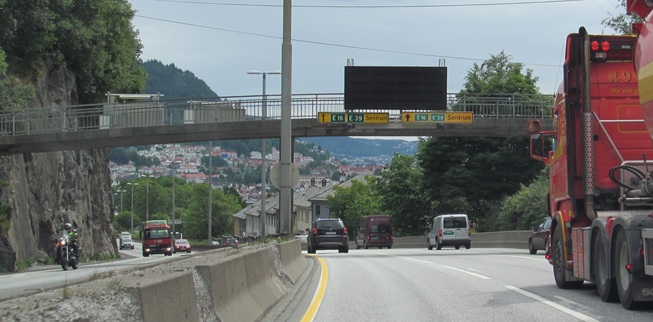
323 117
372 118
437 117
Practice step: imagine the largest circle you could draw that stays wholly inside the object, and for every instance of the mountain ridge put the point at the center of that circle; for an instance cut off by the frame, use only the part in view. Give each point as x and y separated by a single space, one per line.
344 146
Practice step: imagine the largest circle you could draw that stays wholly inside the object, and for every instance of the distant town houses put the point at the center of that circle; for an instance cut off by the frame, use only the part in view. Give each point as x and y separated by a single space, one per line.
185 162
309 195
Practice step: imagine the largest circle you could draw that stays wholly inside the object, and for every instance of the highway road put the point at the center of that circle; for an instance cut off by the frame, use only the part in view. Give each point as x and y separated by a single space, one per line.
47 277
479 284
488 284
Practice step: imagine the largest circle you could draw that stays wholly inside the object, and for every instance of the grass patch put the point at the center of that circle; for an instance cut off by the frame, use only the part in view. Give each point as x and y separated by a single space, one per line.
114 283
67 293
21 266
5 216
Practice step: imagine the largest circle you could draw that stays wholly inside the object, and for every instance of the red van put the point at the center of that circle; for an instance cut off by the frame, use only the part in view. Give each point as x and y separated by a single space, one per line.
375 231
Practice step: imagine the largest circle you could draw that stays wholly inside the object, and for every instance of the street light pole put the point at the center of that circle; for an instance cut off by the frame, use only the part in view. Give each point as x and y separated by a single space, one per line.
132 211
264 101
147 196
210 214
174 176
121 192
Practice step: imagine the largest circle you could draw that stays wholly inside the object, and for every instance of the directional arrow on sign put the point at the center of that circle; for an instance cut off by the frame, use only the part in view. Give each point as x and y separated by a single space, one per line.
407 117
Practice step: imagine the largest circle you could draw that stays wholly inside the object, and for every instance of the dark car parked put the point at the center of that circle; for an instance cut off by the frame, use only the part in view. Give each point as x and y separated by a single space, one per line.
539 236
328 233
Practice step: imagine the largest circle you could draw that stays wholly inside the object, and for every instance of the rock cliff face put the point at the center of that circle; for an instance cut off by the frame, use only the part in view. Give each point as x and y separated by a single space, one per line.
40 192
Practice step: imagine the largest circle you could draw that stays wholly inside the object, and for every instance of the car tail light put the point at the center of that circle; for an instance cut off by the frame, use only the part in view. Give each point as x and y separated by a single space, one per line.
440 233
314 231
344 231
469 232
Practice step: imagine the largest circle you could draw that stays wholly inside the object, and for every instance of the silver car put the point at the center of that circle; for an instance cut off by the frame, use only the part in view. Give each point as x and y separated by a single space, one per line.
126 243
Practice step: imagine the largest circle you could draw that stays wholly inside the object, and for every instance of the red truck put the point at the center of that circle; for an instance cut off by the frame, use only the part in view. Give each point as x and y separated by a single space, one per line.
157 239
600 159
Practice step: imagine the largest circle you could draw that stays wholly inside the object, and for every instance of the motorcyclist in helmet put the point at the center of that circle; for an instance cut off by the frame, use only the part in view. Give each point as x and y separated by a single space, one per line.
72 238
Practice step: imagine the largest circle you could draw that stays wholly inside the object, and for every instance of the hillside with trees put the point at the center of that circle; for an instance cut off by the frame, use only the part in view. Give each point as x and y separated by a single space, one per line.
174 83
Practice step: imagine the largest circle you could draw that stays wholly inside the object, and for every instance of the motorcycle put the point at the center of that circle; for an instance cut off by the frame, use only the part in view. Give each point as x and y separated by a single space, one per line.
67 256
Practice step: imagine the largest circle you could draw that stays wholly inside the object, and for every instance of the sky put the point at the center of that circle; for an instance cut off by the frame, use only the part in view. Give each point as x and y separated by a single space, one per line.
220 40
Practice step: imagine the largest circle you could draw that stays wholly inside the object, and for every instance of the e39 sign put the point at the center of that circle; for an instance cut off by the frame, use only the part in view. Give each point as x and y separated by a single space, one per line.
395 88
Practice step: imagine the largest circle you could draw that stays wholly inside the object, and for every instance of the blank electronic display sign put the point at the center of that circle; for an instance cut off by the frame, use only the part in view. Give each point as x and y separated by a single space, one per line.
395 88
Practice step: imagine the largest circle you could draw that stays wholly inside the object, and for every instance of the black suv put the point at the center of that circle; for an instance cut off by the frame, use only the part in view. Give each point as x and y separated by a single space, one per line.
328 233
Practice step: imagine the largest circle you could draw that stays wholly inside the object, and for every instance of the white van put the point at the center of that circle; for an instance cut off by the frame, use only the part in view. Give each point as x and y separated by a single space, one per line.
449 230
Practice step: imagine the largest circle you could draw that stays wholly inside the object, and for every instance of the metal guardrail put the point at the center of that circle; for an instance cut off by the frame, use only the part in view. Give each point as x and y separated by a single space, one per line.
58 119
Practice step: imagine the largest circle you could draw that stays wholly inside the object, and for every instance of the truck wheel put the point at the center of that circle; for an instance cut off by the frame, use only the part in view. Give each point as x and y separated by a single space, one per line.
428 244
365 245
559 267
468 245
605 285
531 248
438 246
624 279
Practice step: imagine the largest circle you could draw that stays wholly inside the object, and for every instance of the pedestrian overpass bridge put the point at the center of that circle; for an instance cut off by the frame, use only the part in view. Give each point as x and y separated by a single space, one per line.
61 128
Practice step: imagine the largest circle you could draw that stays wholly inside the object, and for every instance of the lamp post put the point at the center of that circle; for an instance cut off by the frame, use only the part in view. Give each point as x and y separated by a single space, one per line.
264 101
132 210
174 176
210 214
147 196
121 192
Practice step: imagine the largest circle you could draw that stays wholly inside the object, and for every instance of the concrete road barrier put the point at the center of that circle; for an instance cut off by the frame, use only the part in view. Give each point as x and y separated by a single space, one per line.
241 286
292 260
169 297
502 239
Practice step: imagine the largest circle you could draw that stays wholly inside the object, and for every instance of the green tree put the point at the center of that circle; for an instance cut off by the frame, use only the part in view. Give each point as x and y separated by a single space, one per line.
119 155
402 195
14 94
524 209
122 221
352 202
499 75
216 162
196 216
175 83
95 40
621 23
473 175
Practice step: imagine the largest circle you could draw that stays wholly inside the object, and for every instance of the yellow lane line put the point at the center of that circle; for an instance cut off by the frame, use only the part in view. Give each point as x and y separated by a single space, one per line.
319 293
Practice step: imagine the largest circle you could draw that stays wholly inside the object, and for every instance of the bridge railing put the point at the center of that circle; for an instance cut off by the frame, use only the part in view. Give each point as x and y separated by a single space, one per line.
58 119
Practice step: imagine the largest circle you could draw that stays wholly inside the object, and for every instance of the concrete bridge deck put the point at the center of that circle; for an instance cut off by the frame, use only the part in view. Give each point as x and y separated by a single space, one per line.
48 129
